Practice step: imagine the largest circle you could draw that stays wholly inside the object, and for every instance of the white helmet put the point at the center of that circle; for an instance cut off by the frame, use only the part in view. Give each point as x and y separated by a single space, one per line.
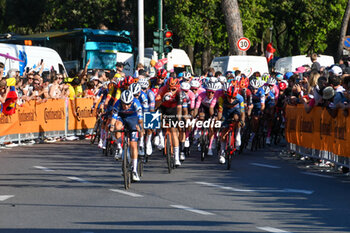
144 83
213 79
211 86
185 86
255 83
187 75
222 79
127 97
135 88
195 84
218 85
271 81
226 86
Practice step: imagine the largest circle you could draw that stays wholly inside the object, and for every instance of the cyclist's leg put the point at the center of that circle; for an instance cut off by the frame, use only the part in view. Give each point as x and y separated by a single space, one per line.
132 124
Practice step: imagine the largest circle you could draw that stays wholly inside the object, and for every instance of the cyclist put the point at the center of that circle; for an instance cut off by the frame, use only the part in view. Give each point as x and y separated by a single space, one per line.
270 102
151 104
157 82
246 94
135 88
127 112
205 108
169 102
258 101
188 102
231 108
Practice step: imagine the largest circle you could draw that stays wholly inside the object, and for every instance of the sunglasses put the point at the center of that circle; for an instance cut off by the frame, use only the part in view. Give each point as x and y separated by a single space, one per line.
270 85
172 89
126 104
210 92
30 78
194 89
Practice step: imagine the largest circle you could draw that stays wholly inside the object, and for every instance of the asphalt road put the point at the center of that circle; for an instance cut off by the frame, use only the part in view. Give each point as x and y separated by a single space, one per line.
70 187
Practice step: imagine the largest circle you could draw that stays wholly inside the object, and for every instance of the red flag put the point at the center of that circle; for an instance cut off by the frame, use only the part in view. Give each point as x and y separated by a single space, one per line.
269 52
9 107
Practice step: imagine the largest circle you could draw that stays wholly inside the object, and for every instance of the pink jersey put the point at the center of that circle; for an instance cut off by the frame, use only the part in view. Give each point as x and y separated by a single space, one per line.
205 101
199 91
219 93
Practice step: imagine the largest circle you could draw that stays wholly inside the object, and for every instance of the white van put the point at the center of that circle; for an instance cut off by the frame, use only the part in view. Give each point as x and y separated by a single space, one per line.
289 64
29 56
246 64
178 60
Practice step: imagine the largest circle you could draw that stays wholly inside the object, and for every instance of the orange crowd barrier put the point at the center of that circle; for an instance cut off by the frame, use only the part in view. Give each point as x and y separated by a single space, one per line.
318 130
33 117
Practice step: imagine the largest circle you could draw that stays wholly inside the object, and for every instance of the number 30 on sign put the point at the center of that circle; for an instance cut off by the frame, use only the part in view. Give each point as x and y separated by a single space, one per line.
243 44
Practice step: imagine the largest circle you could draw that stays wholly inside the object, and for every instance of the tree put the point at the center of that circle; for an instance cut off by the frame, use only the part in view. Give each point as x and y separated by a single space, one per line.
233 22
344 27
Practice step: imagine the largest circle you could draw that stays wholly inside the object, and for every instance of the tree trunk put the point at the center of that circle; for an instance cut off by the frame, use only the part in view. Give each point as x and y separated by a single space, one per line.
233 23
344 27
190 52
205 62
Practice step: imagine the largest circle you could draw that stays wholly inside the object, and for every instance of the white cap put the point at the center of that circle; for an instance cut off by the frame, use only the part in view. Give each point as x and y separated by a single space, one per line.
336 70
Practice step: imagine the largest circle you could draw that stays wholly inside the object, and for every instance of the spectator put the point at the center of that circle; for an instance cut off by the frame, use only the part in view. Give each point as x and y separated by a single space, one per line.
315 65
3 91
55 90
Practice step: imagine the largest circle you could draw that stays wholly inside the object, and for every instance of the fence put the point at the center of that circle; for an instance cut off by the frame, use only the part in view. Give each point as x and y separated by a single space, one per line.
53 118
317 134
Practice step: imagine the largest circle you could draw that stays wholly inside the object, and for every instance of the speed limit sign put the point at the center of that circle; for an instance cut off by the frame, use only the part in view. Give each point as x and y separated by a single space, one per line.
243 44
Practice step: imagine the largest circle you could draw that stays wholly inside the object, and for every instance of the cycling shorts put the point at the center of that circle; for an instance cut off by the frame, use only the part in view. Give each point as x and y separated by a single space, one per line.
130 123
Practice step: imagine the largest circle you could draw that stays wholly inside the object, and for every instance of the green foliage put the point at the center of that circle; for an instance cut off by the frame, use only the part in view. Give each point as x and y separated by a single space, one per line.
299 26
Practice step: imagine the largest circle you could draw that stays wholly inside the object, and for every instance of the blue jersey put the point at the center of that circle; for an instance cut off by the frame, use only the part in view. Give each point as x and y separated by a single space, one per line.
258 98
135 110
151 100
270 99
143 99
103 92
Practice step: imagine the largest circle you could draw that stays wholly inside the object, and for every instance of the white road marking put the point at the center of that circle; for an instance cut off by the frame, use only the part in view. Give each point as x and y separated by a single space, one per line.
126 193
44 168
315 174
192 210
271 229
257 191
77 179
5 197
264 165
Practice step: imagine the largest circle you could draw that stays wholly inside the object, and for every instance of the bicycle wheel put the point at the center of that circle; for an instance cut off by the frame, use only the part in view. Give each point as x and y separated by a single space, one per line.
229 151
95 132
168 153
202 142
125 167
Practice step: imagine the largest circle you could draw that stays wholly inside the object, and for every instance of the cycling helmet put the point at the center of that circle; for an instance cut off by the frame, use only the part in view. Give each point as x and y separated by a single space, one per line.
173 82
265 76
266 89
195 84
185 86
226 86
232 91
162 73
135 88
222 79
283 85
128 80
271 81
127 97
234 83
180 75
144 83
255 83
261 83
244 82
279 77
213 79
187 75
211 87
218 85
288 75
